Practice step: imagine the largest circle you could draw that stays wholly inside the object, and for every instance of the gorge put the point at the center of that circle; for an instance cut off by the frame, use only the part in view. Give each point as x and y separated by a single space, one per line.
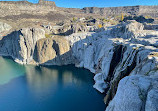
123 57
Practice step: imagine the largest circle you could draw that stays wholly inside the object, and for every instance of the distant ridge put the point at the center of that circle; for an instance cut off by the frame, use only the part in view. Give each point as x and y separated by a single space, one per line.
43 7
25 2
128 10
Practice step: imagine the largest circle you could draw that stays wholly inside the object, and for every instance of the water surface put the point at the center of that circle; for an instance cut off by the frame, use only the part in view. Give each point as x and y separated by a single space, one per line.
33 88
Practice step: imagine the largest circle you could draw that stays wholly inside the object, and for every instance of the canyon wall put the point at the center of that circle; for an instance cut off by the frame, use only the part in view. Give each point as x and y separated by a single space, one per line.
43 7
126 10
124 59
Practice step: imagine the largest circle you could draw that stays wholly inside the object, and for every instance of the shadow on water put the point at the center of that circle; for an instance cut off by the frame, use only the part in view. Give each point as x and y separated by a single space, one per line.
40 77
51 88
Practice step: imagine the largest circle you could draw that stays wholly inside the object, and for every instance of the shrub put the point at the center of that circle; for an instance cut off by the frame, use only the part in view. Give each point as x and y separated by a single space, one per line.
122 17
74 19
48 35
148 17
100 25
105 20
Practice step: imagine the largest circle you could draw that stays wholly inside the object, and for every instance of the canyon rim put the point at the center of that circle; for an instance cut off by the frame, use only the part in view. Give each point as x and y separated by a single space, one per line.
119 45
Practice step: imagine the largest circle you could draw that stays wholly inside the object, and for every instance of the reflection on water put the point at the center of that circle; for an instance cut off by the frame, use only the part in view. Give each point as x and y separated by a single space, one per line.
42 78
9 70
53 88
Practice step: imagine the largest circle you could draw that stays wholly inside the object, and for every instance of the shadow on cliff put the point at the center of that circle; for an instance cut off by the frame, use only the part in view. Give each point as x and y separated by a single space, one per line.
140 19
9 45
148 40
151 27
68 57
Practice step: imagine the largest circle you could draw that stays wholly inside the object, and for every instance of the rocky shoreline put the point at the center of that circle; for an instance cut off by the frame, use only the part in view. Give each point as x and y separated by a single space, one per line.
124 59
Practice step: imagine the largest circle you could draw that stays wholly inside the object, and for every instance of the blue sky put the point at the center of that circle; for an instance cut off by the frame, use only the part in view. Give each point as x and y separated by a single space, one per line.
100 3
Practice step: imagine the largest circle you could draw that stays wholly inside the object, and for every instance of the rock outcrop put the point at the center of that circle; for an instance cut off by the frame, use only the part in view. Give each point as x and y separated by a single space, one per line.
120 51
136 93
124 59
29 46
20 44
53 51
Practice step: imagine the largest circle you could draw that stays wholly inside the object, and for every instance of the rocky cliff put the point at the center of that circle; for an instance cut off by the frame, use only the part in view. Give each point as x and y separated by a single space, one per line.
125 52
124 59
29 46
126 10
8 8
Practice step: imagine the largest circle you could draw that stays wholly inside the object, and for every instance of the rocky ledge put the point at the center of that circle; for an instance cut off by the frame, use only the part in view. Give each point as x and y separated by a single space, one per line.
124 59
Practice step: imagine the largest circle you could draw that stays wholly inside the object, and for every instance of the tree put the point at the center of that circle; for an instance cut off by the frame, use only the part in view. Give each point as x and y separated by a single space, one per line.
122 17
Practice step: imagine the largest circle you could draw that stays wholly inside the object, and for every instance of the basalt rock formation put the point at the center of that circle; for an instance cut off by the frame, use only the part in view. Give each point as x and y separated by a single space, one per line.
123 57
29 46
126 50
128 10
20 44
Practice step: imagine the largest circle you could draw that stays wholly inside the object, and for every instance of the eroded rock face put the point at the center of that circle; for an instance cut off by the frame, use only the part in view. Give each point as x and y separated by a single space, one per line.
124 59
20 44
136 93
69 29
53 51
29 46
114 54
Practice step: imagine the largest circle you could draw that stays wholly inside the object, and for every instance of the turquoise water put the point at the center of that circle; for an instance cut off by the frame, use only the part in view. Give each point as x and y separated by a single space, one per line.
32 88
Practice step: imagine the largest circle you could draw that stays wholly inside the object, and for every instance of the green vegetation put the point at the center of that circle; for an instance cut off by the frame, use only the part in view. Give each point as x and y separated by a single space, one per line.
74 19
105 20
48 35
148 17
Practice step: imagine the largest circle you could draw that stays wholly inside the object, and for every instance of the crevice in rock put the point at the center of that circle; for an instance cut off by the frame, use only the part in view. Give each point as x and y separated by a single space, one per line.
143 96
35 54
116 59
114 82
56 48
